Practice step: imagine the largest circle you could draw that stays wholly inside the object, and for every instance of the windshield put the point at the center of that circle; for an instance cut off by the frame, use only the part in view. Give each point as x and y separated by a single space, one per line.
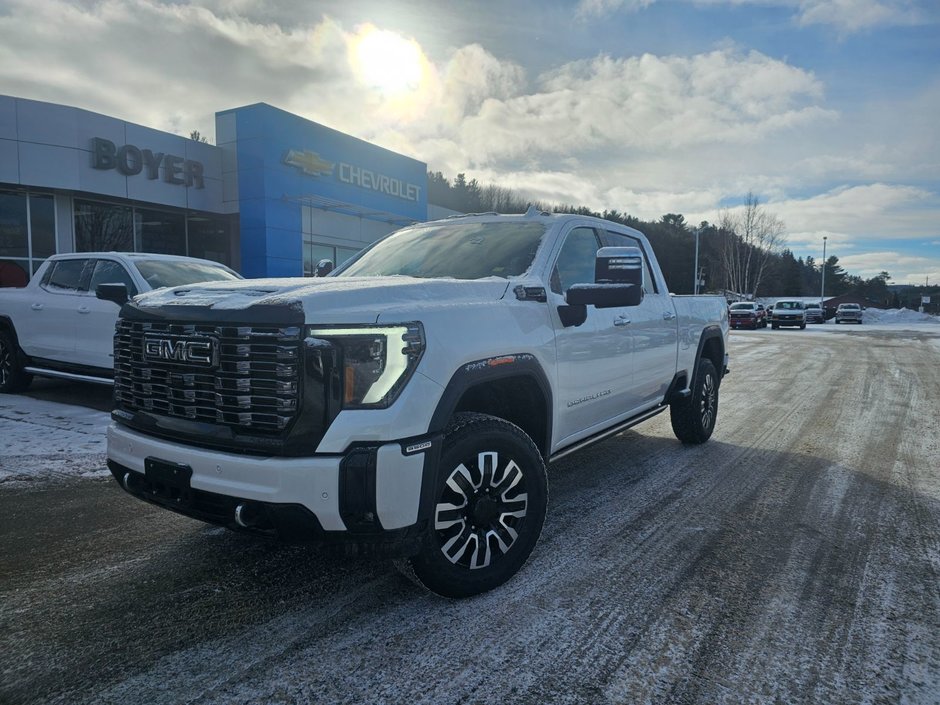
169 272
452 249
743 307
812 305
849 307
788 305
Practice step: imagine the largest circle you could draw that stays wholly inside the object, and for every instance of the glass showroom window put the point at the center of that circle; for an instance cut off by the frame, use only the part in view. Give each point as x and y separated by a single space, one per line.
103 227
314 252
161 231
27 235
209 238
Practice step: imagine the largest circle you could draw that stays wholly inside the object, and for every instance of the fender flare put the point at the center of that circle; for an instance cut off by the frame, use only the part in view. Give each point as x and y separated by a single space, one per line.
709 333
492 369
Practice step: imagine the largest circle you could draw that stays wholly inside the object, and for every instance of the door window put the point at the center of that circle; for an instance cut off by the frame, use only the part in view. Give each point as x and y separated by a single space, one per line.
620 240
110 272
65 276
575 263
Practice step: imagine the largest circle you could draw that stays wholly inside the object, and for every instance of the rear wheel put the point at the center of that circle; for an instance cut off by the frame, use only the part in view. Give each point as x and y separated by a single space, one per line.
12 377
693 418
490 498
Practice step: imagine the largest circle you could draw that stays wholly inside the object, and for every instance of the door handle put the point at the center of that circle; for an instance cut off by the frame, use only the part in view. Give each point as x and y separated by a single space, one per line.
668 315
621 321
36 307
84 309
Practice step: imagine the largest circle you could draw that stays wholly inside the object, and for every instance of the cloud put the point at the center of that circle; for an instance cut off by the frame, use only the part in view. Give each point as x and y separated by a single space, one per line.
647 103
847 16
869 212
851 16
600 8
903 268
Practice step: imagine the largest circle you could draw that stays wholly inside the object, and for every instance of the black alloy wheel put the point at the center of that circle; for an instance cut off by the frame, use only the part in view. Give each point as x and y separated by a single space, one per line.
489 506
12 377
693 418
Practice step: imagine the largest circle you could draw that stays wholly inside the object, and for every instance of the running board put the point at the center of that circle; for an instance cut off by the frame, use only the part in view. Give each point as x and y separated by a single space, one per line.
612 431
43 372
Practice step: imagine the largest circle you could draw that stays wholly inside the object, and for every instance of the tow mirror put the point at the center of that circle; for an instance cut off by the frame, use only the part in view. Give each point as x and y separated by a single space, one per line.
618 280
112 292
324 267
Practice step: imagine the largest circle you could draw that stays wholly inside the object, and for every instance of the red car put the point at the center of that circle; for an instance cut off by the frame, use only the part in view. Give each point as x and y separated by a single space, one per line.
747 314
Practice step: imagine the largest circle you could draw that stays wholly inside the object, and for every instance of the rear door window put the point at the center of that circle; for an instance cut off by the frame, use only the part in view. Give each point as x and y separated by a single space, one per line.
67 276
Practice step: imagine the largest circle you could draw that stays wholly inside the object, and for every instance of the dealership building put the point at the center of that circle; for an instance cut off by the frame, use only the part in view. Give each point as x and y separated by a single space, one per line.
276 194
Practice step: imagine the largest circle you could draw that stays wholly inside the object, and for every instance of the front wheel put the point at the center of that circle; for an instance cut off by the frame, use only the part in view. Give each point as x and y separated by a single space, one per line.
693 418
490 498
802 326
12 377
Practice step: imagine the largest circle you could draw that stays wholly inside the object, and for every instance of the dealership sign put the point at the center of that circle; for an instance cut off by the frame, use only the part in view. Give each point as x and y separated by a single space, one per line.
312 164
130 160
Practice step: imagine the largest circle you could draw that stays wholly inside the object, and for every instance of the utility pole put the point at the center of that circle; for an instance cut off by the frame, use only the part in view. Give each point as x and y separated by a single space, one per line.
822 294
698 231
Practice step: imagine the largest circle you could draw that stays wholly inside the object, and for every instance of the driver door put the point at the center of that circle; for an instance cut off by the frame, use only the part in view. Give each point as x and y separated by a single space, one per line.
595 361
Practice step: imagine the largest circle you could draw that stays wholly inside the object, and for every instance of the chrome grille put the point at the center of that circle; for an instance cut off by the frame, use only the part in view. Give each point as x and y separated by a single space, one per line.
254 383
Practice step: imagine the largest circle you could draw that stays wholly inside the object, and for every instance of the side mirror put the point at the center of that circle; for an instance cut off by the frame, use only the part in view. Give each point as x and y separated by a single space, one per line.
618 280
112 292
324 267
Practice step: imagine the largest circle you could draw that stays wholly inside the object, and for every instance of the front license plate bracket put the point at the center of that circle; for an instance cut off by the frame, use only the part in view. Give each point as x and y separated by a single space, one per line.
169 481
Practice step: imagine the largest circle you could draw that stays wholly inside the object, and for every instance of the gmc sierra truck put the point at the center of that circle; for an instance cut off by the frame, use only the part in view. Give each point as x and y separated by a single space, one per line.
409 402
56 327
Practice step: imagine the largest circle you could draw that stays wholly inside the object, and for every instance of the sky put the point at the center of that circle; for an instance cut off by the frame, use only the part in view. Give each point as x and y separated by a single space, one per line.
826 110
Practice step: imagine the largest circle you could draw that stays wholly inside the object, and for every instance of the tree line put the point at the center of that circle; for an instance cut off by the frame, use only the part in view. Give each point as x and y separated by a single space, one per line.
743 254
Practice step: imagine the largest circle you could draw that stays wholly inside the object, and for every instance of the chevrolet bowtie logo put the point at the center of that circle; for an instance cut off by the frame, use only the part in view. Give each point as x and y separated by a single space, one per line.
308 162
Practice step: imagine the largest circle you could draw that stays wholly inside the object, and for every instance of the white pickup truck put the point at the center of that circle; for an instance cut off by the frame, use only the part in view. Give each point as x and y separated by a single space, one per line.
56 327
409 401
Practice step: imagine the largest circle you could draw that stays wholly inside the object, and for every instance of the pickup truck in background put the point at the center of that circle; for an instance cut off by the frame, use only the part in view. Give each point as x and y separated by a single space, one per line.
846 313
55 326
747 314
409 402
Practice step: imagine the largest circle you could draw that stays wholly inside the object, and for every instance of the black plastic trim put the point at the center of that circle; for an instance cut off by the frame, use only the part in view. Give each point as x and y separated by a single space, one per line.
489 370
709 333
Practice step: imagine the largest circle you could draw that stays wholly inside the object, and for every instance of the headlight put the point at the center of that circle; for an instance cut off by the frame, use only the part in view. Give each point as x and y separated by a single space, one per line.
377 361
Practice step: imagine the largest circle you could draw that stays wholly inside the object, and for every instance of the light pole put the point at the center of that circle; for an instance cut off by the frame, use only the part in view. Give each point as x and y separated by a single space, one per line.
698 231
822 294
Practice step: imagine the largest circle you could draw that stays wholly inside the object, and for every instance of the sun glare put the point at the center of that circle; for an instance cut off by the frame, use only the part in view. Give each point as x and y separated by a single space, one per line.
387 61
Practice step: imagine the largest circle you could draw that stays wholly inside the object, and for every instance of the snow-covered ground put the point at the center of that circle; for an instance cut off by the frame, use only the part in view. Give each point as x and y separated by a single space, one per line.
43 439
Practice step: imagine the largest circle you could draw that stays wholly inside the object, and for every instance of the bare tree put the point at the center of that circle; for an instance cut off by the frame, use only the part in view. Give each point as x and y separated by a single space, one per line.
750 236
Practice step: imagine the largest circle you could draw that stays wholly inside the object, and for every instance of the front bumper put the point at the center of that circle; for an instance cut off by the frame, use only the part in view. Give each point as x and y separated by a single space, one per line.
370 494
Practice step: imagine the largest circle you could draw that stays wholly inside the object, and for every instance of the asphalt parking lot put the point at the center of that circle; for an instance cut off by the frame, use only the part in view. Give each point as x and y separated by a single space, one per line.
795 558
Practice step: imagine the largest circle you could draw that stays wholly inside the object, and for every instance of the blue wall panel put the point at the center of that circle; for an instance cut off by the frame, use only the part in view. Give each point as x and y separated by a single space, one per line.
284 159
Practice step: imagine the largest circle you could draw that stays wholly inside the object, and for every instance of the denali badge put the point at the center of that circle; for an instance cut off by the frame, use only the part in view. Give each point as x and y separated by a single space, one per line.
199 351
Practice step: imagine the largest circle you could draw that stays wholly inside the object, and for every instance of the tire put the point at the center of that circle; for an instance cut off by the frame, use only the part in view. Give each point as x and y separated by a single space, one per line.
12 377
490 498
774 326
802 326
693 418
837 321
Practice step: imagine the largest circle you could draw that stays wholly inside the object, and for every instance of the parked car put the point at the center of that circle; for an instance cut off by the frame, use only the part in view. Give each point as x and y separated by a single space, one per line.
814 313
56 326
747 314
849 313
788 312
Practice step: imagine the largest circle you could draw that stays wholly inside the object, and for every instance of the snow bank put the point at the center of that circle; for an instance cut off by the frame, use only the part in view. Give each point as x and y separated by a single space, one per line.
893 316
44 440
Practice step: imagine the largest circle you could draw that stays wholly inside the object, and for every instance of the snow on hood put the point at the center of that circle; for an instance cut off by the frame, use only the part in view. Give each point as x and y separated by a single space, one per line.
329 293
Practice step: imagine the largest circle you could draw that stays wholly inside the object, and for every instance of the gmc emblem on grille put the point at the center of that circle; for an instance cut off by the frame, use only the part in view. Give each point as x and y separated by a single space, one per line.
198 351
